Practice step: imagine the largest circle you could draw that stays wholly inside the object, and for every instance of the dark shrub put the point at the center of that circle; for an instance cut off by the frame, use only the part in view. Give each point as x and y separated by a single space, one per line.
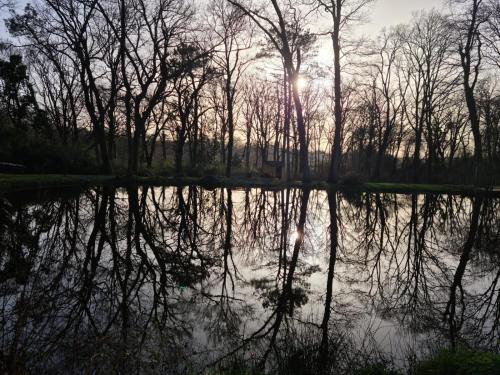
352 180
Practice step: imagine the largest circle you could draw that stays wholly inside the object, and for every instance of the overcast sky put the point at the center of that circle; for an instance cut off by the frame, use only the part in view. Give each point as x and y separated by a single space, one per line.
385 13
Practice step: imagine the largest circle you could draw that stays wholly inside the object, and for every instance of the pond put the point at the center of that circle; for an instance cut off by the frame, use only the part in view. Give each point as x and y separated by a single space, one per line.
181 280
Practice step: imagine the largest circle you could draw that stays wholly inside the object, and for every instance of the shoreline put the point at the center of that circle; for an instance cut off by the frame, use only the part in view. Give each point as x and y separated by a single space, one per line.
27 182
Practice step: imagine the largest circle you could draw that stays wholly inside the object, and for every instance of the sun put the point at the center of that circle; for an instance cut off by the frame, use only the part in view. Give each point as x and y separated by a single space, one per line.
301 83
295 236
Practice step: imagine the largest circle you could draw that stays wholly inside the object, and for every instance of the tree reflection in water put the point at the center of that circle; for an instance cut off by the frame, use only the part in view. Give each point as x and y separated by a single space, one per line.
178 279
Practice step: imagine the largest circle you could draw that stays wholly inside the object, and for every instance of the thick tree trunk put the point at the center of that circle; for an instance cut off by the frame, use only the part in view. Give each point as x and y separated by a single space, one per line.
324 347
304 153
468 70
475 126
247 150
230 126
103 150
163 146
179 151
336 151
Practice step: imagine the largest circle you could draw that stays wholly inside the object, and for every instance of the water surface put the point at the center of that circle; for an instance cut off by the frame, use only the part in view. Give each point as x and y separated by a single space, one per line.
180 280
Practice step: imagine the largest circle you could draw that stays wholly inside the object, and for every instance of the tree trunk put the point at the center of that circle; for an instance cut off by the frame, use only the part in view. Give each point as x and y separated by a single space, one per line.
230 126
336 151
304 153
324 357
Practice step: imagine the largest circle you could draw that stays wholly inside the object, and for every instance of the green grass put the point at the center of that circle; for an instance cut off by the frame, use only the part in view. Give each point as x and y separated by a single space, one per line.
460 363
30 182
378 369
233 371
427 188
318 185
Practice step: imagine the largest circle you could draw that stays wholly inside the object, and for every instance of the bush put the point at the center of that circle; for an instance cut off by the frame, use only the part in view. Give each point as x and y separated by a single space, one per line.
40 154
120 167
163 168
193 171
214 169
352 180
236 160
378 369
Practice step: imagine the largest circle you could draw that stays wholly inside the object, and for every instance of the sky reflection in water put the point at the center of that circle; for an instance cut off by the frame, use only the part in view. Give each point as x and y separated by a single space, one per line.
180 279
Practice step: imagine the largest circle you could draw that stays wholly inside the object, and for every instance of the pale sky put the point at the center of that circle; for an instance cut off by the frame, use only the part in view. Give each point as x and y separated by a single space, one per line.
386 13
383 13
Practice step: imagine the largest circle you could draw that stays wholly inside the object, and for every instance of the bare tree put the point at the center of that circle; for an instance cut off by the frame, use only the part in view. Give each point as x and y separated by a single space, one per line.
467 23
75 29
289 38
188 89
492 33
148 33
342 12
230 26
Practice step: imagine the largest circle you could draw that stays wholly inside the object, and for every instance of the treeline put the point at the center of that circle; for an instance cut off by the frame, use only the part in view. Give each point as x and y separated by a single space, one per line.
228 85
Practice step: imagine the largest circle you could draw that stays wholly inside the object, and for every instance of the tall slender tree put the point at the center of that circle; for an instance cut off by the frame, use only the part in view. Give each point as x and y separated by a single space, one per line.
342 12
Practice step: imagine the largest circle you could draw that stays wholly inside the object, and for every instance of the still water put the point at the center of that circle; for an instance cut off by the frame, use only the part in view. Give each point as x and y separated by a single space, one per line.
184 280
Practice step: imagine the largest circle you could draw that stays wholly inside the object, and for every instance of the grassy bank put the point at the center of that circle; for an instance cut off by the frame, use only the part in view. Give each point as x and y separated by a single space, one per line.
46 181
463 362
31 182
